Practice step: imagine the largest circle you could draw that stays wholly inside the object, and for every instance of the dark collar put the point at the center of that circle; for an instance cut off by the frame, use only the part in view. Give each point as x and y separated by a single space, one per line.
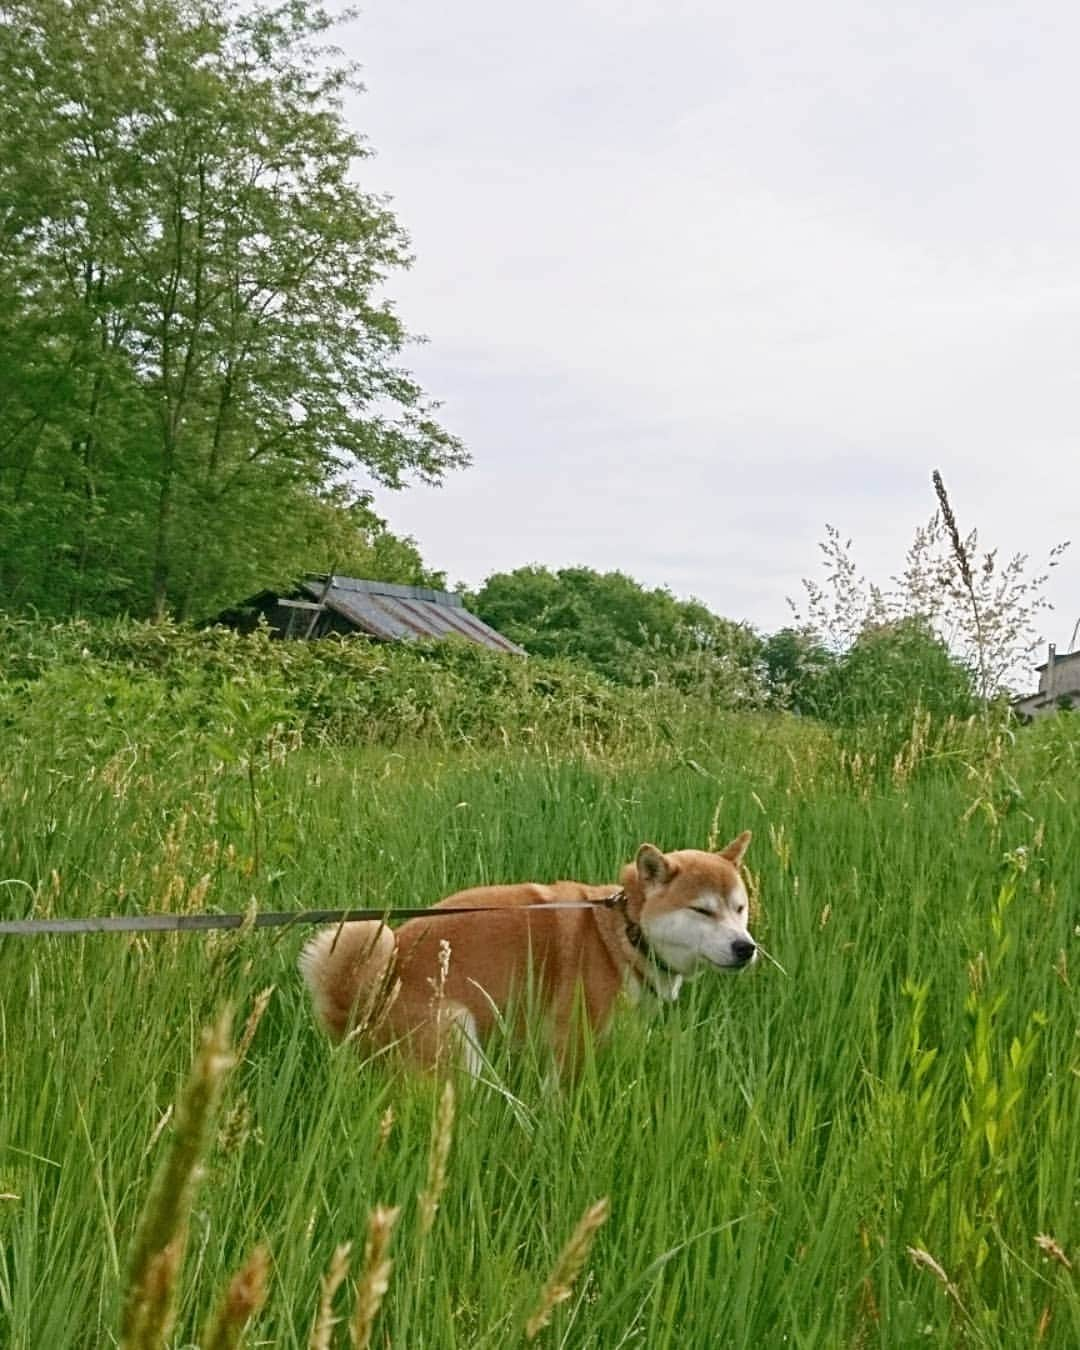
634 934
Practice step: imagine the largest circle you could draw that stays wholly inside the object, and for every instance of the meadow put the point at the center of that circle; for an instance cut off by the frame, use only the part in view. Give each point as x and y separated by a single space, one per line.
876 1146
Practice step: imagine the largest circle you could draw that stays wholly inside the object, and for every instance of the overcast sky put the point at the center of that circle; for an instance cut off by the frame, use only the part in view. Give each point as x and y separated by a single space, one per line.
700 278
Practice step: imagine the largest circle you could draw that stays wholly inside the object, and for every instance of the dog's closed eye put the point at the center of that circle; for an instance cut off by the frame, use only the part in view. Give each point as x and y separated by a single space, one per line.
700 909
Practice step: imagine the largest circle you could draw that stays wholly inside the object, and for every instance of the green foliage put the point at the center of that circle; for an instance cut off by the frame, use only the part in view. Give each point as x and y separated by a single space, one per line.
613 625
892 676
356 542
887 673
193 347
109 684
795 665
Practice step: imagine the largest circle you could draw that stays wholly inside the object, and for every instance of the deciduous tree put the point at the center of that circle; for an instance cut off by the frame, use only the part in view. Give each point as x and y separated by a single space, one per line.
194 341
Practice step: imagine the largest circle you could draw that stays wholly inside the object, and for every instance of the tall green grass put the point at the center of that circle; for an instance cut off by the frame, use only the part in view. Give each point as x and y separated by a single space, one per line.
784 1156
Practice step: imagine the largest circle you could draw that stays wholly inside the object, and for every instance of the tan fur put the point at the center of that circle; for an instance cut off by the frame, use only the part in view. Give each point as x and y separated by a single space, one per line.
349 970
391 989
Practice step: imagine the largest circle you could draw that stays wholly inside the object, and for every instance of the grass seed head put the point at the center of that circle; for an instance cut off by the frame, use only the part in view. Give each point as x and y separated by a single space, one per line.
258 1007
242 1300
375 1277
926 1261
1053 1250
440 1150
571 1260
161 1234
386 1125
959 550
323 1330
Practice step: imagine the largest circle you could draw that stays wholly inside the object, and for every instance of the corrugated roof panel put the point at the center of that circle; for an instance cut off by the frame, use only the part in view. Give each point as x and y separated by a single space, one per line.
431 620
416 617
469 626
382 588
441 621
365 614
401 612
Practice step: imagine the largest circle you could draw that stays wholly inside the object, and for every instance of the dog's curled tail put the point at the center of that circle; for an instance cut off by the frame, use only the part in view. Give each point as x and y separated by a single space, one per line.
350 972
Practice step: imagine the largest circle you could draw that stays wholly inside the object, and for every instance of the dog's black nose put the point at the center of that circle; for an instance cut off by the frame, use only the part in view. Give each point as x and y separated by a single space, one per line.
743 950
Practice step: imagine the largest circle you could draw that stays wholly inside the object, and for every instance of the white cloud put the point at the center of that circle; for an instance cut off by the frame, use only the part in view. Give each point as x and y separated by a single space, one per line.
699 279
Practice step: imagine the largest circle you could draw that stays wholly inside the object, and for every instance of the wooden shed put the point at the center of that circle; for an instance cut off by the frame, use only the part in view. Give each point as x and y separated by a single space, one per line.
378 609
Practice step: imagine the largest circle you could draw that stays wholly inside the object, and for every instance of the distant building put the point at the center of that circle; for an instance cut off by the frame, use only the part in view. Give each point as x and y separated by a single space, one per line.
376 609
1059 686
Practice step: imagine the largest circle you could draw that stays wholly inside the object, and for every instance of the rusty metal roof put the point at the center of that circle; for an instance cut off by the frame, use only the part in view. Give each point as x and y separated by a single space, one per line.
392 612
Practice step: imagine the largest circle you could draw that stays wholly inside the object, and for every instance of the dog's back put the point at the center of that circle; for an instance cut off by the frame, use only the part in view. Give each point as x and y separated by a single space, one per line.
407 987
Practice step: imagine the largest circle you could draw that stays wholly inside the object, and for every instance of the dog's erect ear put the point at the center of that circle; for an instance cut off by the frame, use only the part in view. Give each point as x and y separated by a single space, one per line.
652 867
735 850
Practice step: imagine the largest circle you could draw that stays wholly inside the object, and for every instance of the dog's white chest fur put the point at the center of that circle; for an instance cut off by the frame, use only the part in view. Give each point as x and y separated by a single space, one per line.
660 986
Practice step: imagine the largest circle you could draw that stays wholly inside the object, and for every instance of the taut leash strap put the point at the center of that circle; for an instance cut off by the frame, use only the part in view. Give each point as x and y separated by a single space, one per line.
189 923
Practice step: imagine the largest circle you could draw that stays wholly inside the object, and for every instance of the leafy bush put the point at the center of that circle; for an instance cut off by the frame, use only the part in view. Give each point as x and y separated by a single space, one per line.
116 681
889 671
612 624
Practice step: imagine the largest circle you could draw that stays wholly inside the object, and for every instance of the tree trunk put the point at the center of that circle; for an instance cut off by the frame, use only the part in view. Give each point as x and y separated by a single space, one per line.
160 589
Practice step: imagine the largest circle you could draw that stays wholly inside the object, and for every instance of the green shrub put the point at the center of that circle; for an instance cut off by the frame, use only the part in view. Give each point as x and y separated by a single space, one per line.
107 682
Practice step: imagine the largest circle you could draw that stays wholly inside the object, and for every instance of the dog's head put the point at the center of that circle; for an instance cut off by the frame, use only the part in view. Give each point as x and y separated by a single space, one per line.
692 906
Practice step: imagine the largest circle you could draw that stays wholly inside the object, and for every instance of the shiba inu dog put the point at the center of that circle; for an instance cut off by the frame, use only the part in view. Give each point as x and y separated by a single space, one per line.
453 976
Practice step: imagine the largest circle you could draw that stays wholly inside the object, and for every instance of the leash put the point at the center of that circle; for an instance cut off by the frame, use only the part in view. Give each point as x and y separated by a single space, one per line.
201 923
187 923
